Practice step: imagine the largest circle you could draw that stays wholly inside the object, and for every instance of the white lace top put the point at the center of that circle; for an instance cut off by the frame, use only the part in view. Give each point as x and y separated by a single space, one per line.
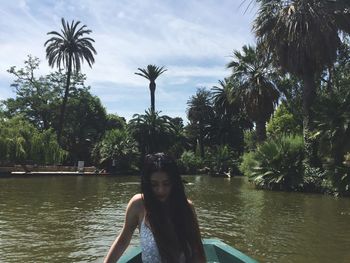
150 252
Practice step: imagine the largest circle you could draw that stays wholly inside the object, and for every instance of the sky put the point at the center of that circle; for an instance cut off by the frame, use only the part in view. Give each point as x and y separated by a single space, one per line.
193 39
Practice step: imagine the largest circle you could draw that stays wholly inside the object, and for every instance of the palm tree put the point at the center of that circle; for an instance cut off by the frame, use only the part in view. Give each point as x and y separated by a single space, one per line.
229 121
256 88
152 131
151 73
69 49
223 97
117 146
303 37
200 112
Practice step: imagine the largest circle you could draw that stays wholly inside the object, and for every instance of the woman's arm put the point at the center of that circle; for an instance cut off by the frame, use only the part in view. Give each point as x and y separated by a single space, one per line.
122 241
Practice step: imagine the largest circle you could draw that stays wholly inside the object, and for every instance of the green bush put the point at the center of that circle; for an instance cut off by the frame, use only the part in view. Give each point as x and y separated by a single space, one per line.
248 163
314 180
250 140
117 152
221 159
190 163
278 164
282 122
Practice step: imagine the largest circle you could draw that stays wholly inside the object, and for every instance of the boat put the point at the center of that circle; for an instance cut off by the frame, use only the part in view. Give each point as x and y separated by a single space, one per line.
216 251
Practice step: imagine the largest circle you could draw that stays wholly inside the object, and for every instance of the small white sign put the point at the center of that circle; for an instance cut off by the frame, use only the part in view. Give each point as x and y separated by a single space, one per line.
80 166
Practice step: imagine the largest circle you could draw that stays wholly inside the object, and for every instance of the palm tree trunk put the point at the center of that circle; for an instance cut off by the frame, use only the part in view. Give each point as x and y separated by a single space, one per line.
309 92
64 103
152 88
260 130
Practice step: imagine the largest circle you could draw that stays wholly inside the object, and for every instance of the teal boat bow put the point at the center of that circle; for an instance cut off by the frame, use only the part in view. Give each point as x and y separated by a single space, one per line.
216 251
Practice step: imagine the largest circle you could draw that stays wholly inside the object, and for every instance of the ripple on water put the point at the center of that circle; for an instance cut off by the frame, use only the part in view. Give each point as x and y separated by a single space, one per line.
70 220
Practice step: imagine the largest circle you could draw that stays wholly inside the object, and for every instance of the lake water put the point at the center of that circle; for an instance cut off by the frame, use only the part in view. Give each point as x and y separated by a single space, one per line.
75 219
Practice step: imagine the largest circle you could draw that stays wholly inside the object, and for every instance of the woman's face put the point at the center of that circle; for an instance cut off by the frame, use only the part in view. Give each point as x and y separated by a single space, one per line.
161 185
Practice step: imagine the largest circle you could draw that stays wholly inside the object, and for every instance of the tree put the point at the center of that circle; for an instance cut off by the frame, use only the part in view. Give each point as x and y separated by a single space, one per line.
230 120
85 125
151 73
117 151
332 121
223 97
115 122
199 113
38 101
283 123
34 95
256 88
152 131
21 142
37 97
303 38
69 49
179 142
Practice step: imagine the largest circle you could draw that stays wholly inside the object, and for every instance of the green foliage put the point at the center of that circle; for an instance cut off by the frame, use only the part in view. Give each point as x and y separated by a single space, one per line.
85 125
332 122
200 113
45 148
279 163
229 120
221 159
248 163
21 142
303 38
38 99
115 122
152 72
179 142
190 163
314 180
35 96
282 122
70 47
292 90
117 151
256 89
333 127
152 131
250 140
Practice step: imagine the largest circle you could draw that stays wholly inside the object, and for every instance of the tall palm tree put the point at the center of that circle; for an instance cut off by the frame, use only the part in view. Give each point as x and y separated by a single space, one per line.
303 37
68 49
200 112
256 88
152 72
226 128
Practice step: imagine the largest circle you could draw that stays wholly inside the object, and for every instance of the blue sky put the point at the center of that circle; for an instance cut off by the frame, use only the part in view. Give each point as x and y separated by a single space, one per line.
193 39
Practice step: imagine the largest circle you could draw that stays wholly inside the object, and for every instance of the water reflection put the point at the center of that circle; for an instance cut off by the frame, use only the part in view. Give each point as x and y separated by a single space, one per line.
75 219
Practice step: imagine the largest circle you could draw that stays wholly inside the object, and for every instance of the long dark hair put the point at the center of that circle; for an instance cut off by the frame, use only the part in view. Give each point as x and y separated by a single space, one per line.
174 224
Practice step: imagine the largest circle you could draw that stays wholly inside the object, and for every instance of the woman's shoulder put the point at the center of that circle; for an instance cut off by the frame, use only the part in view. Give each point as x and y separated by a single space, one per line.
136 201
137 197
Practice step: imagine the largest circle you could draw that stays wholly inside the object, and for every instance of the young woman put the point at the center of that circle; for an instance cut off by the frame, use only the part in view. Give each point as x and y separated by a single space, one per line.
166 219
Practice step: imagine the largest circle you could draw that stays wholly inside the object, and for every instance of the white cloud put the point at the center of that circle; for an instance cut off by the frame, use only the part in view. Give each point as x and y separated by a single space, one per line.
192 38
